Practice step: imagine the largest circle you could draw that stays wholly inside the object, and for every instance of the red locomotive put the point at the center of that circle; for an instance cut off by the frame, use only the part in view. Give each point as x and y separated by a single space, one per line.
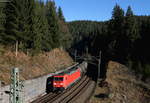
65 79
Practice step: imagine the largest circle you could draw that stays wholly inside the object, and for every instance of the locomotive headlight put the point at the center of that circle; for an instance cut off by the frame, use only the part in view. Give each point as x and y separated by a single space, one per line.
61 83
55 83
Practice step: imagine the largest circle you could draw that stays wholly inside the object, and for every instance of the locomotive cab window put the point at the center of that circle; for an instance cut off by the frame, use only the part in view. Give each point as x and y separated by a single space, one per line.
58 78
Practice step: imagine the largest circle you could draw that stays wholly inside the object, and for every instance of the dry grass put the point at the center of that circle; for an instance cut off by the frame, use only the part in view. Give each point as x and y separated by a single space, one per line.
122 87
35 66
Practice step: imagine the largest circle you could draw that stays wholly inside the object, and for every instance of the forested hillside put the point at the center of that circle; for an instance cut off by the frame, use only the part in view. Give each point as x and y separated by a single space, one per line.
33 25
124 38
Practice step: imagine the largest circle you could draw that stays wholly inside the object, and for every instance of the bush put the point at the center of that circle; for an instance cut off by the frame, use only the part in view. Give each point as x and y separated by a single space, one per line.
146 70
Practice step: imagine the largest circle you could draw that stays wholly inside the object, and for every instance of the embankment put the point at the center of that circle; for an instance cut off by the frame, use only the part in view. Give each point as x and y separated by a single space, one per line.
33 66
33 71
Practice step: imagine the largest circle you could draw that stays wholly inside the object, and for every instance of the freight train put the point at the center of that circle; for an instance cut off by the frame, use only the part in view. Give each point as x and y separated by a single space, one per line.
63 80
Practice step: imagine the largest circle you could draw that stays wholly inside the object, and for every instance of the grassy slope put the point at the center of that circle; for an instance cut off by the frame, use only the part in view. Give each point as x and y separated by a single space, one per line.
123 87
35 66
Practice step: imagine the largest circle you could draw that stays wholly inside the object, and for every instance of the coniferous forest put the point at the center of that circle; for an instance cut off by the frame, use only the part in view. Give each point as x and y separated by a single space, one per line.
123 38
33 25
37 26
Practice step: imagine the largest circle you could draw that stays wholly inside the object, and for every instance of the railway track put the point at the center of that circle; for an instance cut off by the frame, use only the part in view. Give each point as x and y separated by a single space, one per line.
78 93
43 99
67 95
72 95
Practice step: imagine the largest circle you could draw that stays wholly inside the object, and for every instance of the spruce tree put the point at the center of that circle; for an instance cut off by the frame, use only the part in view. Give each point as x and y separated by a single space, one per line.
12 22
65 36
42 40
118 20
52 18
116 29
129 12
131 26
2 21
28 17
36 31
60 14
18 22
46 38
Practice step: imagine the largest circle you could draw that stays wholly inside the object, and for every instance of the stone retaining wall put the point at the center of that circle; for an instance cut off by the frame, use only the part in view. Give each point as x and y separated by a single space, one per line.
32 88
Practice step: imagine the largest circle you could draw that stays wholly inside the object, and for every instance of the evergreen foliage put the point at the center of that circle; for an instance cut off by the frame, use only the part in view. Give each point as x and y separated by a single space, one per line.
124 38
34 25
65 37
53 23
2 21
131 26
41 27
17 23
60 14
37 24
116 31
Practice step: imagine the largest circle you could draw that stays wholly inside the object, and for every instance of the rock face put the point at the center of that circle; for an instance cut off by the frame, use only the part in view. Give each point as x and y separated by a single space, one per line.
122 87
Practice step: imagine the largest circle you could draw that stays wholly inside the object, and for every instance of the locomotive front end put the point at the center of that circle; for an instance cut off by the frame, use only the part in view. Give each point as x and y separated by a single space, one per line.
58 83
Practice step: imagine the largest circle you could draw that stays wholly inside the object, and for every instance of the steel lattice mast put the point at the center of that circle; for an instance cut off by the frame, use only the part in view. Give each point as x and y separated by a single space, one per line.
15 87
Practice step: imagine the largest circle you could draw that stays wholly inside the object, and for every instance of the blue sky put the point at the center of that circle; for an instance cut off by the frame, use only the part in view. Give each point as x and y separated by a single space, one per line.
99 10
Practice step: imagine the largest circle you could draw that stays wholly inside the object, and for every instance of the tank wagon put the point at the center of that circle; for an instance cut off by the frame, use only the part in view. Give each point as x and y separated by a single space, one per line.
63 80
